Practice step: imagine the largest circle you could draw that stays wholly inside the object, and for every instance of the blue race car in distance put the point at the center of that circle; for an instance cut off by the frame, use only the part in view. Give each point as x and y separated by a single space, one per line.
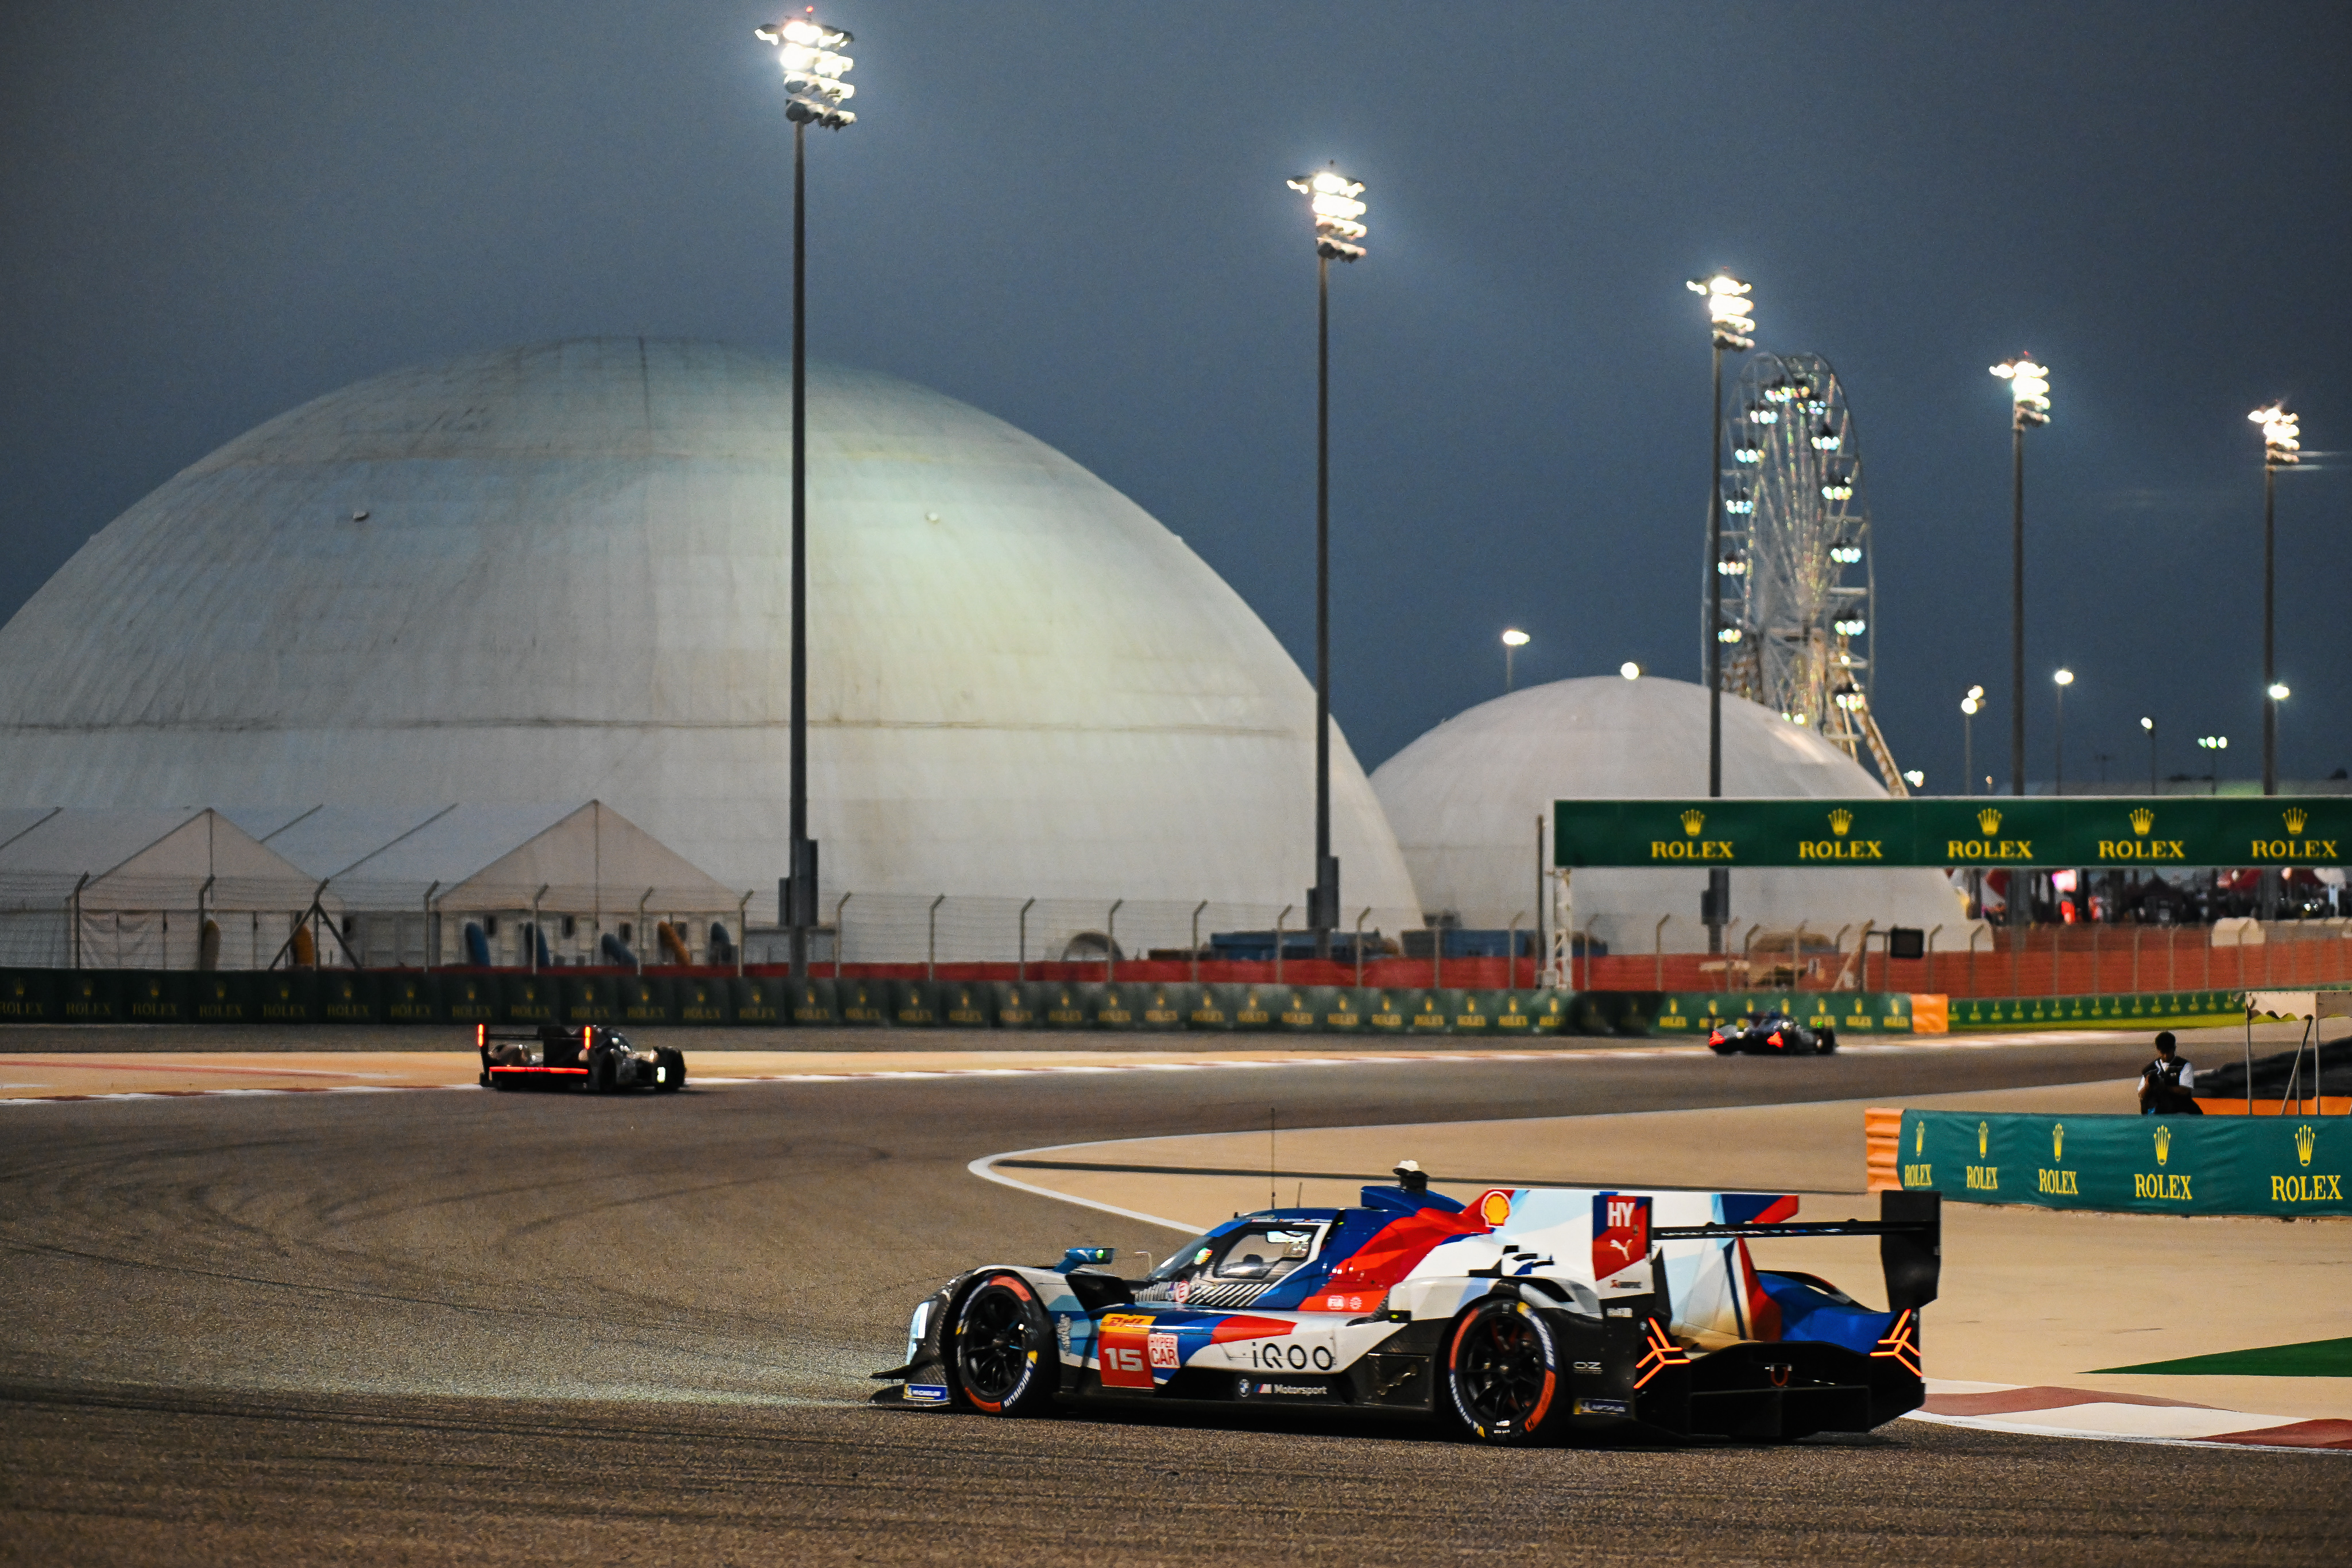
1771 1034
1526 1315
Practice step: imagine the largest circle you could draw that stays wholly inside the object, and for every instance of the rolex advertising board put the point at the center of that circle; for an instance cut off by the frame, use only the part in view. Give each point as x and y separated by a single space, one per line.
2076 831
2149 1165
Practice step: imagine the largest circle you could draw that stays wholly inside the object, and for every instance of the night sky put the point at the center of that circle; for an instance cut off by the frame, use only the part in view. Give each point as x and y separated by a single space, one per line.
1074 216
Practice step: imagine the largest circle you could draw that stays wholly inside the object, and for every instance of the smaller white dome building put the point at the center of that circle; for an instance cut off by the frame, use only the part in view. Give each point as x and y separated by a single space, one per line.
1466 800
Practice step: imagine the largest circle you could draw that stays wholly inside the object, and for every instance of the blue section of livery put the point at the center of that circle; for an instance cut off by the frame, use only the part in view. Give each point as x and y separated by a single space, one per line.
1807 1314
927 1392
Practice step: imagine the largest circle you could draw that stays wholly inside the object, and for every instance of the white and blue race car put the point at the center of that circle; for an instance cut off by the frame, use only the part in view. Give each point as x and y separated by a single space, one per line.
1527 1314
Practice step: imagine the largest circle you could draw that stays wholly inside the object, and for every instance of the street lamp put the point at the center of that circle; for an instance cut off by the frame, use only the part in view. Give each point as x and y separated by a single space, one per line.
2063 679
2150 725
1970 705
2029 390
1513 641
1335 203
2281 448
1731 324
815 93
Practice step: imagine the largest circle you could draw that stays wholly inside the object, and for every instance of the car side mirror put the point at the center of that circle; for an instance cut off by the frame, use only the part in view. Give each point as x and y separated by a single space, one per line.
1079 1257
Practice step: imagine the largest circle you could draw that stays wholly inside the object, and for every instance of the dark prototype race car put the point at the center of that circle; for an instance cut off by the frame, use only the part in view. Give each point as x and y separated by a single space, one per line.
1530 1314
590 1057
1771 1034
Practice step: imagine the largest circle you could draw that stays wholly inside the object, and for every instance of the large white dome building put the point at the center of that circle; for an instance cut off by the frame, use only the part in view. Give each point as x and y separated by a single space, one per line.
559 572
1464 800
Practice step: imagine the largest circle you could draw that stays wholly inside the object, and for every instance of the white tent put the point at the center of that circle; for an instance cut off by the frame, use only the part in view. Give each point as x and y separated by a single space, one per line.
133 889
411 881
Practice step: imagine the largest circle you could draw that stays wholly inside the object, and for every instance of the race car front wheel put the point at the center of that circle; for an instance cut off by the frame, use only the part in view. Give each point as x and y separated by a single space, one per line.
1502 1373
672 1065
1827 1041
1004 1357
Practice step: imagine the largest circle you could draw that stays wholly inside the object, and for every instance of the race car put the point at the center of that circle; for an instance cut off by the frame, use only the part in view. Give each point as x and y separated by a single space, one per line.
588 1056
1771 1034
1529 1314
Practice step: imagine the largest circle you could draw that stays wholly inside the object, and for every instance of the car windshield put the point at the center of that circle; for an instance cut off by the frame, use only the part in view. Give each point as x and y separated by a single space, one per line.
1257 1251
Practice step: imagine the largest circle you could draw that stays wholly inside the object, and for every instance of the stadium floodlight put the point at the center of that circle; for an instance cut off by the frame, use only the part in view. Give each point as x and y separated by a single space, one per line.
2148 724
1513 641
2278 691
1336 204
815 94
1630 670
2064 677
2281 448
1730 324
814 66
2214 742
2029 391
2281 434
1730 309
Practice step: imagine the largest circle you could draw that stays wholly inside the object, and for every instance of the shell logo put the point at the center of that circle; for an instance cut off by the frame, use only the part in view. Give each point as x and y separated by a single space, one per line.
2163 1143
1494 1207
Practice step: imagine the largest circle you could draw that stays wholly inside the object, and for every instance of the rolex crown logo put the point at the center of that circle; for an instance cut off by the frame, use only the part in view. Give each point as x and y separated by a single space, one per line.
1693 820
1984 1135
2306 1140
2163 1144
2294 817
1840 821
1989 819
2142 819
1918 1138
2057 1142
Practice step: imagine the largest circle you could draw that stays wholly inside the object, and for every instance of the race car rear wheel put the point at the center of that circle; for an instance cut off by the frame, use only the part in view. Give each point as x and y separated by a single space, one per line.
1502 1373
1826 1041
600 1072
673 1069
1004 1359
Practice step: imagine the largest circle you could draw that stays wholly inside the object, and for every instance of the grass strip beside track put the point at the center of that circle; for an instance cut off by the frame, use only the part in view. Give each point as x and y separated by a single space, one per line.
2312 1358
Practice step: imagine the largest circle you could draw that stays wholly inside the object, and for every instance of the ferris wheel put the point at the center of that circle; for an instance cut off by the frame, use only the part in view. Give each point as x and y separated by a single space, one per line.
1800 589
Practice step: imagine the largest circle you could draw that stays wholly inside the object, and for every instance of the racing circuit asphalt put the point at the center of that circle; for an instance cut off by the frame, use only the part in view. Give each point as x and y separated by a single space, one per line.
451 1326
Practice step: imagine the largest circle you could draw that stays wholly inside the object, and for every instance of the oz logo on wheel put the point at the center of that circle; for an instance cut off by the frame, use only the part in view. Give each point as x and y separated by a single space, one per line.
1291 1357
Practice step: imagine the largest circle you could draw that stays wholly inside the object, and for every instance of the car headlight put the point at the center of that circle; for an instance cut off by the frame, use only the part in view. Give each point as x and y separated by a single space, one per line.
916 1326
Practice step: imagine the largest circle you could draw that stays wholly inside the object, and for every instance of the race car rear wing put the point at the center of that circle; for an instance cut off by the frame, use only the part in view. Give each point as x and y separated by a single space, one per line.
1909 1227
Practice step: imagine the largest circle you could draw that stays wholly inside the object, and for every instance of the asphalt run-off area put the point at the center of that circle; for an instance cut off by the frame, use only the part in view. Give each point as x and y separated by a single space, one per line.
274 1301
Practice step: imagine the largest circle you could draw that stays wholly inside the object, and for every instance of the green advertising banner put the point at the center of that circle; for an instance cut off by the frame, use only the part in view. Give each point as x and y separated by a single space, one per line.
2073 830
2146 1164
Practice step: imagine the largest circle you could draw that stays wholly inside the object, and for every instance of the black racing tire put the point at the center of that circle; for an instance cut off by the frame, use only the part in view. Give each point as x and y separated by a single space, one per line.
485 1079
673 1066
1501 1371
1001 1358
1826 1042
1725 1048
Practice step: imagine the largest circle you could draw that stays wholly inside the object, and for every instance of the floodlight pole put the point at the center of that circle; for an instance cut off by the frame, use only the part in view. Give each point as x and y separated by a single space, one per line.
2269 626
1323 907
2017 609
1718 879
802 915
